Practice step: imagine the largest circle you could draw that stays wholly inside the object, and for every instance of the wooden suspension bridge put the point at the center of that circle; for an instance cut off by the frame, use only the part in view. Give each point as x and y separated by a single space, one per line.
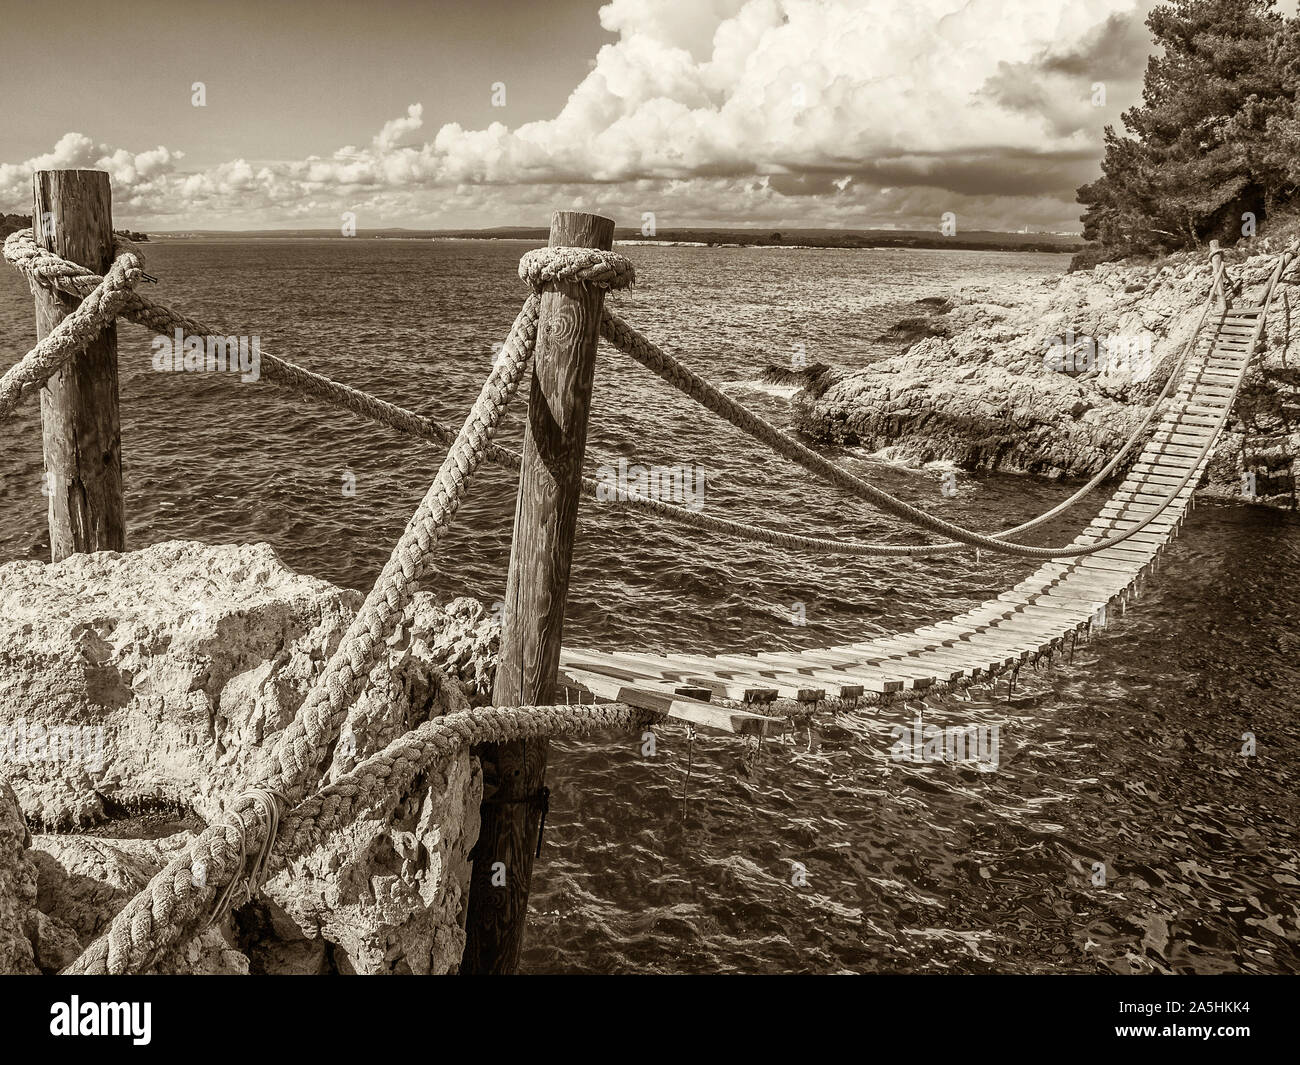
1035 617
83 280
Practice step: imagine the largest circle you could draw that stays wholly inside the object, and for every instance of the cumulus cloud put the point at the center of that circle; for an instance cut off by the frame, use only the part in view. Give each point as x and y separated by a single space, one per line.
791 105
77 151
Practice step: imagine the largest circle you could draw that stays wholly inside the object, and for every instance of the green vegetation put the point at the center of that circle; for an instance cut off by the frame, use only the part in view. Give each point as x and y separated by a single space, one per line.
1214 148
11 223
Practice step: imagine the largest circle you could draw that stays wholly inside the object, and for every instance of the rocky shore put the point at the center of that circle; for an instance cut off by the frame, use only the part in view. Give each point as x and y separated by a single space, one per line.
140 692
984 384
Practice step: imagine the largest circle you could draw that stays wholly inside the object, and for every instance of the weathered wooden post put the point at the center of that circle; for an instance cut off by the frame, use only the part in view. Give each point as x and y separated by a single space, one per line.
1216 265
72 215
546 514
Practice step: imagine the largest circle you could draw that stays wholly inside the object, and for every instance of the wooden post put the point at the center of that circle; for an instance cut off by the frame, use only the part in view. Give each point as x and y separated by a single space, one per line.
72 215
1216 265
546 514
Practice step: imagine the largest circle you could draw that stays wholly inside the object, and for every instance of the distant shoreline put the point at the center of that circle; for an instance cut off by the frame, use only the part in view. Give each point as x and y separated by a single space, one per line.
789 240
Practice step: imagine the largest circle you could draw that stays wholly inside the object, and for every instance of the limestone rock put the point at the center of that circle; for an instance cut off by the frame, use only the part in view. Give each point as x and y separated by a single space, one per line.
160 680
84 880
994 394
57 893
163 673
17 887
465 642
387 892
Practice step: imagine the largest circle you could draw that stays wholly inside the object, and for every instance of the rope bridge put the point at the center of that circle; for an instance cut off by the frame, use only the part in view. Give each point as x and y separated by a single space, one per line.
289 810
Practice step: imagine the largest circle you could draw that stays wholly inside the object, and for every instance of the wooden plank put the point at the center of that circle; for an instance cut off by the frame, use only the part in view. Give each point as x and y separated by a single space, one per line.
1183 437
736 670
1007 641
1138 532
872 678
1191 420
838 670
1143 537
1207 396
1156 495
1166 475
1163 520
881 670
661 698
728 682
902 654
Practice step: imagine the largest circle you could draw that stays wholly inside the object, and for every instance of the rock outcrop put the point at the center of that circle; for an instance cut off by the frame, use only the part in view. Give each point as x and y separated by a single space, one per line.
57 893
1050 378
154 684
17 887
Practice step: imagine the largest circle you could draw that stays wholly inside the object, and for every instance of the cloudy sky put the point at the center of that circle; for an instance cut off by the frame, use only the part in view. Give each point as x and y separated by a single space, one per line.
838 113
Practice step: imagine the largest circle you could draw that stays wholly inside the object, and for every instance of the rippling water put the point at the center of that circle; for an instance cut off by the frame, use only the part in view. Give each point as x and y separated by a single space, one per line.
1129 757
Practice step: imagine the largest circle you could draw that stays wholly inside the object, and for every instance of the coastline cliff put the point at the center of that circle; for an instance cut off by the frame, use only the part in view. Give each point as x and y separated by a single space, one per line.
1049 379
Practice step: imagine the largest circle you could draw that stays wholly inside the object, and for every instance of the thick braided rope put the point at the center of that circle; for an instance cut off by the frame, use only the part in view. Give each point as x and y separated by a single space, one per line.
46 268
634 344
388 773
168 906
587 266
98 309
384 776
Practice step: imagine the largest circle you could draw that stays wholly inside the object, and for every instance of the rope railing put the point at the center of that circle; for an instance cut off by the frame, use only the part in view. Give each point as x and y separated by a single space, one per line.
624 337
825 545
44 267
628 340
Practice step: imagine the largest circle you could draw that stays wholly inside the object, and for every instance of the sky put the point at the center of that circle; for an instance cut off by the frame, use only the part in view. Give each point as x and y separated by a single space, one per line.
737 113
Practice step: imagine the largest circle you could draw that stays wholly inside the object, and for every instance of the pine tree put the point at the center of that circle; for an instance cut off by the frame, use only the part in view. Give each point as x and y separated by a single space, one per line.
1197 154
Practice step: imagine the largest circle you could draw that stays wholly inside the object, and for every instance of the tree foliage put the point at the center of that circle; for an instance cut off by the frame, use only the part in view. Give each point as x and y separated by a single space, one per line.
1215 137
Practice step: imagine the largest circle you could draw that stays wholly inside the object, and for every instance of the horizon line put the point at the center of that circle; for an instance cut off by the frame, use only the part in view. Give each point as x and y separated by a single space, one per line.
676 229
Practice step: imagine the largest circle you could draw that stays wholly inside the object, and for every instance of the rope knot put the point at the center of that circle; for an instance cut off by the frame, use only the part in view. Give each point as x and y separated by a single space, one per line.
102 300
583 266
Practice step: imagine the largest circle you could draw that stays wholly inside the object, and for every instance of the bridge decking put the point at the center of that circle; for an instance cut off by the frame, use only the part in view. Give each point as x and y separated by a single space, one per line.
1037 615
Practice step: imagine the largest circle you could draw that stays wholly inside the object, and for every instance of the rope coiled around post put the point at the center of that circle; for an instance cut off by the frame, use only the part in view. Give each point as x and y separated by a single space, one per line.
98 309
583 266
